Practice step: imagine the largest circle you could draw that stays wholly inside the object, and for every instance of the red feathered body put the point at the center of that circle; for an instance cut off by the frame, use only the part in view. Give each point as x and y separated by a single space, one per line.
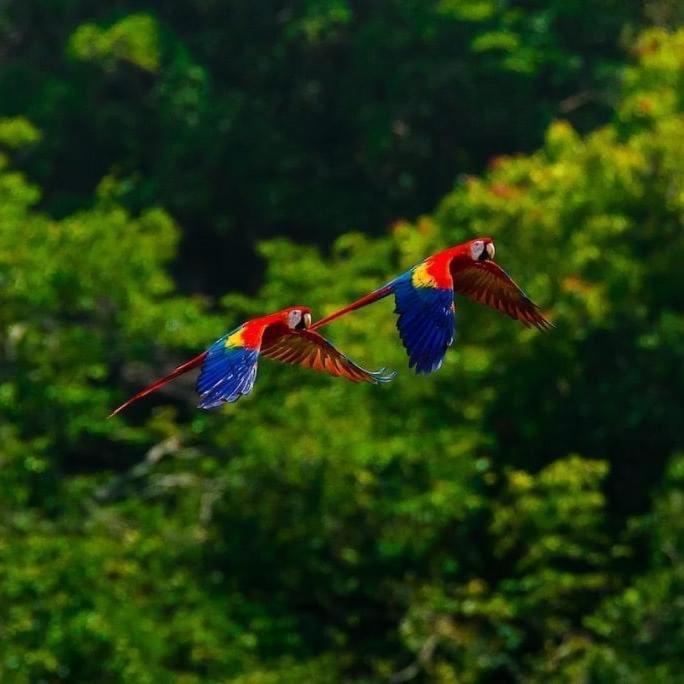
229 366
424 298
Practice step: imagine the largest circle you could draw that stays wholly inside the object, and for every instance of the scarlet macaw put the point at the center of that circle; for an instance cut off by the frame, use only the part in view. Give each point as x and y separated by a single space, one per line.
229 366
424 299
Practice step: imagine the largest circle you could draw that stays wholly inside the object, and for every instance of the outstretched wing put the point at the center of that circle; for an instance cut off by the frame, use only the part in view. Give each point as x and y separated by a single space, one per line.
424 300
311 350
228 372
487 283
426 316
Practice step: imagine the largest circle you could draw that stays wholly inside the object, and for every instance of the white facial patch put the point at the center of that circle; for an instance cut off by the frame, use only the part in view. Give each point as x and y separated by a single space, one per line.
476 249
293 319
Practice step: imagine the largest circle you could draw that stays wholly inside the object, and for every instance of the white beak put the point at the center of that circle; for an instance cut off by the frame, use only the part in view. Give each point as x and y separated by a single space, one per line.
490 250
307 320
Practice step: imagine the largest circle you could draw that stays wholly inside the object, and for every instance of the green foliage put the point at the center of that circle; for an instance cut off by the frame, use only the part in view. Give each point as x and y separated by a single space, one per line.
320 19
133 39
17 132
517 516
249 120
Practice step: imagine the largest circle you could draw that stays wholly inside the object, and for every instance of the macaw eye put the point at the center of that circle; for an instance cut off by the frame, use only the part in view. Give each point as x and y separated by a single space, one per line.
477 249
294 318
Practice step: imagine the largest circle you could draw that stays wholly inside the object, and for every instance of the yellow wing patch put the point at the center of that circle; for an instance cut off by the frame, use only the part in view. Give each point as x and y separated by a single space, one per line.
421 277
235 340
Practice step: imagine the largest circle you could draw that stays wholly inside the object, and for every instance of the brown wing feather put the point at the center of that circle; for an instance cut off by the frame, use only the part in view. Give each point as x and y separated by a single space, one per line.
487 283
309 349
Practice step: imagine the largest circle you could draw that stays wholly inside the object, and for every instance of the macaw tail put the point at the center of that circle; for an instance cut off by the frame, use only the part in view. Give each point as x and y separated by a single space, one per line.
364 301
153 387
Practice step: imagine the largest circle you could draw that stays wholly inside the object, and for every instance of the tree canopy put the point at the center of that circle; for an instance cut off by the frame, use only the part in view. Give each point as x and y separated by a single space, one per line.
518 516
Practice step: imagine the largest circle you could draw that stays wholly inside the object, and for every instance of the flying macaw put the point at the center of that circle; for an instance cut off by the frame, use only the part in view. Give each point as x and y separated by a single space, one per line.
424 299
229 366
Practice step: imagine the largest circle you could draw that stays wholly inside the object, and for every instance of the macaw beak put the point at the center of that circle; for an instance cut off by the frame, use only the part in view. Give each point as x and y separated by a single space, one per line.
490 250
306 319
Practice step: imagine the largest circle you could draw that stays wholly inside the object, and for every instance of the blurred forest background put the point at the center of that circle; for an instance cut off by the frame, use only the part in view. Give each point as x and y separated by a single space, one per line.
169 169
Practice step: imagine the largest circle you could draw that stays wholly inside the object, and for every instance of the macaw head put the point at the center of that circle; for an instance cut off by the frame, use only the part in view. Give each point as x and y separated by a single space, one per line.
481 249
297 317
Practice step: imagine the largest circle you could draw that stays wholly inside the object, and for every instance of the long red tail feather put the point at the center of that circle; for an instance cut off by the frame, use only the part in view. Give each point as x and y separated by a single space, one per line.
363 301
153 387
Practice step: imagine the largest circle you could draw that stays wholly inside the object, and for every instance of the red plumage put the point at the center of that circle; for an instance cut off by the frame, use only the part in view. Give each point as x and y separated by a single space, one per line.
424 299
154 386
479 279
229 365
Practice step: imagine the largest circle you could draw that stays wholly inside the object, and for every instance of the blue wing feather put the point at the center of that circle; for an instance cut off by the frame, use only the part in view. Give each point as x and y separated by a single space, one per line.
426 322
227 374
